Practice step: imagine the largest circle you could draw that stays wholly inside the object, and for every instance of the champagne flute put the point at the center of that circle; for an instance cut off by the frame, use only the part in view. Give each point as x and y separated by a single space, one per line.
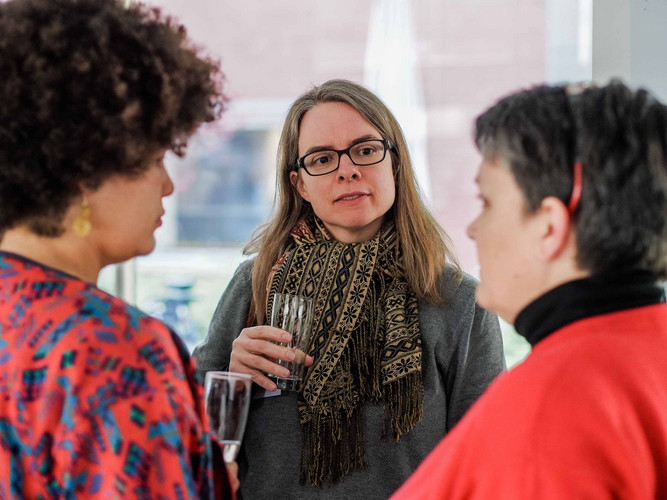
227 401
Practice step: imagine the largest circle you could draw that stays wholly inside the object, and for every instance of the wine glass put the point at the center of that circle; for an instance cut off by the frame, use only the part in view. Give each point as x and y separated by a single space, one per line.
227 401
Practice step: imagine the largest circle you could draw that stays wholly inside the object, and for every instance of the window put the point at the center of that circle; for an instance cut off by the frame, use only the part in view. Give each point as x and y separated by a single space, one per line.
436 63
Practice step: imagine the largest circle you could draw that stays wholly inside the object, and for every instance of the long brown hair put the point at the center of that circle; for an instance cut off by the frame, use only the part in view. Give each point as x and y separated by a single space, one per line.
425 245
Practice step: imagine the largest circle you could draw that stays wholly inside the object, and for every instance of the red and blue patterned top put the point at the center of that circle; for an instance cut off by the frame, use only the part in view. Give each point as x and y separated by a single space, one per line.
96 397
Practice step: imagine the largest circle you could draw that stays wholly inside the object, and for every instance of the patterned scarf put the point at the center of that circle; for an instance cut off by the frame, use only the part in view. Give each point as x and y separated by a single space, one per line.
365 340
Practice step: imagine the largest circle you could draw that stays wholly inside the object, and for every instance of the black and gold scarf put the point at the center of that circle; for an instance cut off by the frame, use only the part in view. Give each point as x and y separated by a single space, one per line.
365 340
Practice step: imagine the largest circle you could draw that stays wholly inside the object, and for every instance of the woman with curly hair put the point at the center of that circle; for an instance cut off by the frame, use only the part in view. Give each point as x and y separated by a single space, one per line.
399 349
97 399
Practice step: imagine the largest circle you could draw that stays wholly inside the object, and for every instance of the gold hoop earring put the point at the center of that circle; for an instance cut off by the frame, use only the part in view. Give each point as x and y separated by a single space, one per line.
82 223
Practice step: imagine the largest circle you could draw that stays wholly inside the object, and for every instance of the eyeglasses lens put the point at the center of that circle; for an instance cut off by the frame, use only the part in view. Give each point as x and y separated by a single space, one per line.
362 153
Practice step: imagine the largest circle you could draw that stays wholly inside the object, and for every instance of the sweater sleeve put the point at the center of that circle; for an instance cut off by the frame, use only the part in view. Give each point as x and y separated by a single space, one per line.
228 320
478 356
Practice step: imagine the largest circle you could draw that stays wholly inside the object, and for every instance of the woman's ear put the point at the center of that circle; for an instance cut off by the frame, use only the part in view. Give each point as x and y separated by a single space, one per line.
84 190
298 184
555 228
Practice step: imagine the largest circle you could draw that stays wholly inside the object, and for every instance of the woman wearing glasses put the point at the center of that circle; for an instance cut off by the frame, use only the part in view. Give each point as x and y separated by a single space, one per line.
352 233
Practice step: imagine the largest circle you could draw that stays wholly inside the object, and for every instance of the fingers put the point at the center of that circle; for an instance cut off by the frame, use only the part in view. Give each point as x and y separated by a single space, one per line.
302 358
266 332
260 340
253 353
256 353
233 473
257 366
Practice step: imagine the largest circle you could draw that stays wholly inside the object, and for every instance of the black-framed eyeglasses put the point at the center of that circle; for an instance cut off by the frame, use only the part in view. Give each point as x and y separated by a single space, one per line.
325 161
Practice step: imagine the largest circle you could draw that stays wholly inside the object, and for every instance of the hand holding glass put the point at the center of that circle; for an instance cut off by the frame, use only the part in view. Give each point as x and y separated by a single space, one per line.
293 314
227 401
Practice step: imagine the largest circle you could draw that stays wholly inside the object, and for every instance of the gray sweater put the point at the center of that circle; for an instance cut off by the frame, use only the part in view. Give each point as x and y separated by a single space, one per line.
462 353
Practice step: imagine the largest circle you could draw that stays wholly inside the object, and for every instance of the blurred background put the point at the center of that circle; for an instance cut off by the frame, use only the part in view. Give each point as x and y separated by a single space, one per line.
436 63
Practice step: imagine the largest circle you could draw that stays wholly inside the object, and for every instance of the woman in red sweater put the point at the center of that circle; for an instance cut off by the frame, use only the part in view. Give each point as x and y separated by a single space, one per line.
572 242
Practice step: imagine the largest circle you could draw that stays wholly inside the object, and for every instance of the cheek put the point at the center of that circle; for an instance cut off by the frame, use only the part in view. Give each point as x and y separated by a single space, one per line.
310 190
392 191
388 186
318 197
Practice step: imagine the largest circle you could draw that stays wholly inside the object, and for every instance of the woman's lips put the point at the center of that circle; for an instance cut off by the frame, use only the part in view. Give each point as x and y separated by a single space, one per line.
351 198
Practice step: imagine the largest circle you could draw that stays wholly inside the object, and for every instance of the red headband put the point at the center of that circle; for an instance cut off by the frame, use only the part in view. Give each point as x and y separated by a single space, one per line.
573 93
577 186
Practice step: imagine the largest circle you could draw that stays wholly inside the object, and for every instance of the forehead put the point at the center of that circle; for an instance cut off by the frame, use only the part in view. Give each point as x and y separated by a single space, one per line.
496 177
334 124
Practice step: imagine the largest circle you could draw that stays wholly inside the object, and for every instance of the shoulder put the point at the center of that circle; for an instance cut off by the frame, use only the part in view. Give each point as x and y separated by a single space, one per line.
612 353
457 284
243 273
564 379
242 277
111 324
240 285
553 395
110 311
62 315
144 347
63 303
229 318
461 316
458 291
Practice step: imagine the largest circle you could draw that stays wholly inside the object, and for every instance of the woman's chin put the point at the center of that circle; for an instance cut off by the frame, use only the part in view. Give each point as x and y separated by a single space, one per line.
145 248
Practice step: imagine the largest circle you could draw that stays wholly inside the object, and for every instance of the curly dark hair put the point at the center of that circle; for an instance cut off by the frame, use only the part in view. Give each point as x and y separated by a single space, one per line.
620 137
90 89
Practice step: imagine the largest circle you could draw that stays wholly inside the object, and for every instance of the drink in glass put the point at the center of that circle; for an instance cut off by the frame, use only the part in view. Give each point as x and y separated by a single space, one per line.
227 401
293 314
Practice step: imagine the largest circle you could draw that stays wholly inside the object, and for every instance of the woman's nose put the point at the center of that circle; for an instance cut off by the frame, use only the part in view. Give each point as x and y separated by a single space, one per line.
347 169
168 186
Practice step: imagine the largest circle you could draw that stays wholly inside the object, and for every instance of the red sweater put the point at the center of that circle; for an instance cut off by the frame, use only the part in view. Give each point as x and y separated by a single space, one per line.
585 416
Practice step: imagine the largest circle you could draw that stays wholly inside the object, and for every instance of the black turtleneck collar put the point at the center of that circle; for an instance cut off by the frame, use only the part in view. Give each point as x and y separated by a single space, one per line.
601 293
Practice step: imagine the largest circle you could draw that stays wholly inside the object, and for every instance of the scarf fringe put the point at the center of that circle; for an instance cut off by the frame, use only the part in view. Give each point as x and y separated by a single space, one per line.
329 460
326 461
366 354
403 405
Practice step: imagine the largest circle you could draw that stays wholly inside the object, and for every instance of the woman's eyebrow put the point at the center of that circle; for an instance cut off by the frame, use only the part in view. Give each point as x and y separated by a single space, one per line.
363 138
